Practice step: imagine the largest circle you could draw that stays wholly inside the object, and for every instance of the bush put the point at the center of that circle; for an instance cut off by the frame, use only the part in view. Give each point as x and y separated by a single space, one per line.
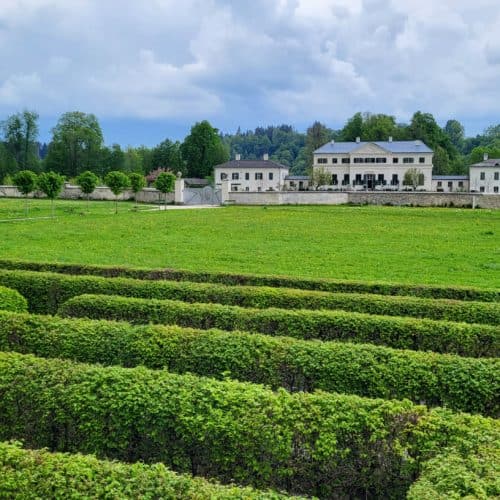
317 444
12 300
434 379
46 291
41 474
430 291
401 333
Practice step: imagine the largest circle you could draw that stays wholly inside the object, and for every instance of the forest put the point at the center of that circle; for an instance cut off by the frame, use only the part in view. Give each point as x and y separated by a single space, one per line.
78 145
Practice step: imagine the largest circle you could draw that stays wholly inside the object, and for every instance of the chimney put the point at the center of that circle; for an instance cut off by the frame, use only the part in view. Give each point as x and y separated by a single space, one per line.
265 157
485 157
358 139
390 138
332 142
238 157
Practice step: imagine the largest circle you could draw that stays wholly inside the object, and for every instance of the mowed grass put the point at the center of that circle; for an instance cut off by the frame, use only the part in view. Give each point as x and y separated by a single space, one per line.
413 245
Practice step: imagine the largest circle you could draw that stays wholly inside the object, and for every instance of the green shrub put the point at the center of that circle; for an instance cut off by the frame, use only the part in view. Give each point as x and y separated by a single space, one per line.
466 384
317 444
451 475
41 474
326 285
45 292
401 333
12 300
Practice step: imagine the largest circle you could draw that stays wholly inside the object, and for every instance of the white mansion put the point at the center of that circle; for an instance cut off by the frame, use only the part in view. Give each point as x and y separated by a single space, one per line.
374 164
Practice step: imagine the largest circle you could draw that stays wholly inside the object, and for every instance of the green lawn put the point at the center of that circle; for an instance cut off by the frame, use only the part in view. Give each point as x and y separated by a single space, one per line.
445 246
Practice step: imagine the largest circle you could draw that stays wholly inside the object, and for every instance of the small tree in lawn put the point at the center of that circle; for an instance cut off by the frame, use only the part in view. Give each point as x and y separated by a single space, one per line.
87 182
165 183
137 183
413 177
117 182
51 185
25 181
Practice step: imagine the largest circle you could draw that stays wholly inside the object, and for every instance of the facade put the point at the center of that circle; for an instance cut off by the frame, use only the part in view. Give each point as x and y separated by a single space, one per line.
251 175
297 182
376 165
450 183
485 176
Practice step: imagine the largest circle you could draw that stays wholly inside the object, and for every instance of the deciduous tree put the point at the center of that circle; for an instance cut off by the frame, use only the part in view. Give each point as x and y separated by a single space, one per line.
25 181
87 182
165 183
117 181
137 183
50 183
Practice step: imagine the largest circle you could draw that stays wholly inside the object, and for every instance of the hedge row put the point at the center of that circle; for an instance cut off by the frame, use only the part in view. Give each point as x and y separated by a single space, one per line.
317 444
28 474
45 292
12 300
401 333
466 384
326 285
451 475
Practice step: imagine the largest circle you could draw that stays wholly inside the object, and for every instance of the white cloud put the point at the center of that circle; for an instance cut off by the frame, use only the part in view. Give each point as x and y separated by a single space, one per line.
262 61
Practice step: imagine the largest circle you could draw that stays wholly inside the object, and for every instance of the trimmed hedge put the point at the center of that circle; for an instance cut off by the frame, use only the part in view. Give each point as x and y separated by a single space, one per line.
12 300
46 291
466 384
452 475
317 444
326 285
40 474
401 333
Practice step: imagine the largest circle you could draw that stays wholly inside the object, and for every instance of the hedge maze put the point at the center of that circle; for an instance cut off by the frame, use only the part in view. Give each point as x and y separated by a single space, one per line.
134 383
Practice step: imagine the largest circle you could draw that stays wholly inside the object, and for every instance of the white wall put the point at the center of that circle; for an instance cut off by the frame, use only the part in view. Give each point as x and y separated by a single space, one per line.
252 184
489 184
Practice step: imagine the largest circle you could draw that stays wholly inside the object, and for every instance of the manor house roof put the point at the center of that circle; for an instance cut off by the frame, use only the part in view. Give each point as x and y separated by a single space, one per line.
390 146
243 164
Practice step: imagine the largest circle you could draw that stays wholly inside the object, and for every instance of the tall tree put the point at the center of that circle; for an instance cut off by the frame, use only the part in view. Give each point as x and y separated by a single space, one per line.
353 128
456 132
317 135
20 134
203 149
168 155
76 144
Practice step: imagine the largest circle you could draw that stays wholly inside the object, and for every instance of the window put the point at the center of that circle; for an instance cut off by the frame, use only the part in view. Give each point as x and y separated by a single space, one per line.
345 160
346 180
395 180
271 176
495 189
496 175
450 185
358 160
380 179
481 189
223 177
259 189
358 179
235 176
482 176
395 160
460 184
408 160
234 187
322 160
421 159
335 180
247 176
440 184
334 160
258 176
369 160
381 160
247 189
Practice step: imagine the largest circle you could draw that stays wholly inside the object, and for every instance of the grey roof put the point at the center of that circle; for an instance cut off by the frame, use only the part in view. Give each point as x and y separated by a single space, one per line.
251 164
450 177
297 178
194 181
492 162
390 146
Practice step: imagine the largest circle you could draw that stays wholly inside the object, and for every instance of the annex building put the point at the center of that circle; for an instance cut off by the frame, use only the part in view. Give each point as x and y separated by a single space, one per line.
374 165
251 175
484 177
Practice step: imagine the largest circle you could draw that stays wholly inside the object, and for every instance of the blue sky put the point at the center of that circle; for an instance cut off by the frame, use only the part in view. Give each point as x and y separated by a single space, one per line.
151 69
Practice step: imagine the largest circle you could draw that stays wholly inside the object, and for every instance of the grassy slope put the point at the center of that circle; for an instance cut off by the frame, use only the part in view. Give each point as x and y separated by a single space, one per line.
372 243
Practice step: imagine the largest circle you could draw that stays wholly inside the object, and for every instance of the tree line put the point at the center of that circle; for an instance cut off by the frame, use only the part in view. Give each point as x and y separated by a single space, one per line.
77 145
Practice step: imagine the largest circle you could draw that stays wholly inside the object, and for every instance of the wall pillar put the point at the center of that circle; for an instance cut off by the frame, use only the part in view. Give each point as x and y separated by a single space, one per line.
179 191
224 192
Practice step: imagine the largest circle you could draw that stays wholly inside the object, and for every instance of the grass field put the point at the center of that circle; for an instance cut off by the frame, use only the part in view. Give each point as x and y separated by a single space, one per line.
444 246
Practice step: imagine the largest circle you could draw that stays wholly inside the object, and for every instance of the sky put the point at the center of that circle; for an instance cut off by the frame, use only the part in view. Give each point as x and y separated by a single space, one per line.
150 69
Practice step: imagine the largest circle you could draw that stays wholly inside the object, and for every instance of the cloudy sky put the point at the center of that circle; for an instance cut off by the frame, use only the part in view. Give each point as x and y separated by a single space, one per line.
149 69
